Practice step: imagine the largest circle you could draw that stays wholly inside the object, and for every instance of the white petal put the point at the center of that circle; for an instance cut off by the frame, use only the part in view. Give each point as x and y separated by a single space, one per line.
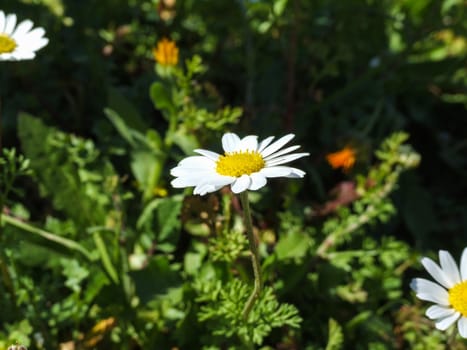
230 142
212 183
296 173
222 181
257 181
462 327
263 144
2 21
277 145
276 171
203 189
197 162
38 44
248 143
436 311
429 291
286 159
36 33
191 172
203 180
22 28
284 151
241 184
449 266
464 264
5 57
446 322
10 24
211 155
182 182
22 55
436 272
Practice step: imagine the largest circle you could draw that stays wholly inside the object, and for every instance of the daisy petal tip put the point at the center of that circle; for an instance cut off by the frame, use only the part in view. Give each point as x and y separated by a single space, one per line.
415 284
462 327
446 322
174 184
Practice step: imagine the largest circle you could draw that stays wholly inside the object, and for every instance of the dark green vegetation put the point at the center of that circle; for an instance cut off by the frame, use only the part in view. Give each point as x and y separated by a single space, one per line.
98 251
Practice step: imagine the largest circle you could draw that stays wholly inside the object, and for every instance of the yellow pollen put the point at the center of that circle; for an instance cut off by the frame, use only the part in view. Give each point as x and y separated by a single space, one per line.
7 44
240 163
458 297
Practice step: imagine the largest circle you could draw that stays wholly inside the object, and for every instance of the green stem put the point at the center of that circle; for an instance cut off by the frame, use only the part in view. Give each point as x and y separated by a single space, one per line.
370 213
1 131
451 339
47 235
6 275
254 256
105 257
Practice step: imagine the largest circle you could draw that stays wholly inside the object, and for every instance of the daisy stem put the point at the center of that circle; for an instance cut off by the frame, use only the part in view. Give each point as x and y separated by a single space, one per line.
452 339
254 256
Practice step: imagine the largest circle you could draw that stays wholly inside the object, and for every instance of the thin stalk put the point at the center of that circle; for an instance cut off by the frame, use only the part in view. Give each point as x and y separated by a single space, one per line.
72 245
105 257
6 275
371 211
1 131
451 339
249 59
254 256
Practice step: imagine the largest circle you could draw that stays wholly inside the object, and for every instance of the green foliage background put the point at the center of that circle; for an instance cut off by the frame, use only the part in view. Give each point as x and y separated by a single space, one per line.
99 252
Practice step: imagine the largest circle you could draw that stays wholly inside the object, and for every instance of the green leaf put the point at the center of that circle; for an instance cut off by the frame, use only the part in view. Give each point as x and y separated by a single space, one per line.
162 216
336 337
147 157
193 260
74 273
154 139
158 278
104 254
223 311
417 208
186 142
294 245
124 108
146 167
59 161
168 220
121 126
279 7
161 98
137 140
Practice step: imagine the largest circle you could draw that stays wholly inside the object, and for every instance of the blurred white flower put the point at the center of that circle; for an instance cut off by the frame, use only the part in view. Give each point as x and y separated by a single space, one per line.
19 42
245 165
449 294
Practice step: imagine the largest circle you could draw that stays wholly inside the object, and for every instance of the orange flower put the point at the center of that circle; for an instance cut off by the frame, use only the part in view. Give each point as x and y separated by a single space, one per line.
166 53
345 158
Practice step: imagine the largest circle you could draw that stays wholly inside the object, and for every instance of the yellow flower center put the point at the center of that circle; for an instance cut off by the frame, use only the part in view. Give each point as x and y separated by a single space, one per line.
240 163
7 44
458 297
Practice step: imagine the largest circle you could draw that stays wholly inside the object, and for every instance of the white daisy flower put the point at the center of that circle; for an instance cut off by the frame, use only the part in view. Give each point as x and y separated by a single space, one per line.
450 293
245 165
19 42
